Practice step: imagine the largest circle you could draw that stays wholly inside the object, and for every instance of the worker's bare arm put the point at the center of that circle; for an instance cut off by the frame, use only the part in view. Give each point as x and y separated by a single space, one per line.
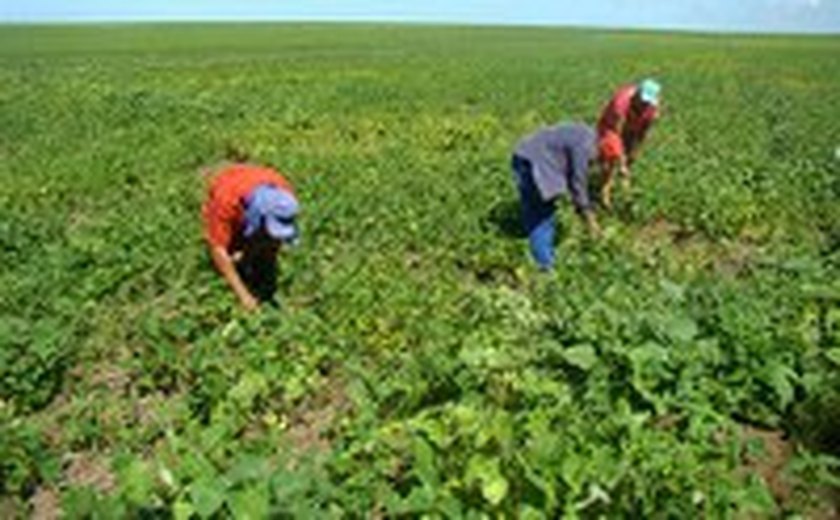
224 263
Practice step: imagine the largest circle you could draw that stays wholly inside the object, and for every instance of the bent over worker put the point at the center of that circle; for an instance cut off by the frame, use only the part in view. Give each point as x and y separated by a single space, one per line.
546 165
249 213
622 128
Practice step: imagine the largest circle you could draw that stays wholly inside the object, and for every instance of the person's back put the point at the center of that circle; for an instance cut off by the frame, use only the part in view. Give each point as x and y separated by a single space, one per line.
559 155
249 212
547 164
622 127
223 211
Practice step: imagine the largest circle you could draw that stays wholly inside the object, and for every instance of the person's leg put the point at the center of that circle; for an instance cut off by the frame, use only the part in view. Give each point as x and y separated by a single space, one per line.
259 274
541 238
245 269
537 215
266 283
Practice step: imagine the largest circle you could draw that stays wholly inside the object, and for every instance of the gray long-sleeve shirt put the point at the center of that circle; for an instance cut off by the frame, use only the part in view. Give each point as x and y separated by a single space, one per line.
559 157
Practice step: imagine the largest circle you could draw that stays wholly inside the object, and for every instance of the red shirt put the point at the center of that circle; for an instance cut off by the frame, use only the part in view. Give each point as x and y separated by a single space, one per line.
223 211
635 124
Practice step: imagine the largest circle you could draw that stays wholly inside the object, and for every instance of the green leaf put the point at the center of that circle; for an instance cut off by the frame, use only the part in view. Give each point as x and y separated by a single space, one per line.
434 429
572 470
681 329
195 465
833 355
648 353
424 462
449 506
251 503
207 495
247 468
420 499
756 498
581 356
182 510
79 502
478 466
494 488
674 291
137 482
250 386
527 512
779 377
541 483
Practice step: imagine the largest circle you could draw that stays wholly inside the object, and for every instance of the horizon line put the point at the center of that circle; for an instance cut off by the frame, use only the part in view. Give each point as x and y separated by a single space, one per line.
683 29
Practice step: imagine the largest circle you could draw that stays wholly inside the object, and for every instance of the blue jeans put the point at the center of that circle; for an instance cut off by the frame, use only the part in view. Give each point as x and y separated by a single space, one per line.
537 214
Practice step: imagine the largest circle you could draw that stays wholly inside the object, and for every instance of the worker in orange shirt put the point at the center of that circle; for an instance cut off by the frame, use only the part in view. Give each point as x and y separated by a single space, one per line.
249 213
622 128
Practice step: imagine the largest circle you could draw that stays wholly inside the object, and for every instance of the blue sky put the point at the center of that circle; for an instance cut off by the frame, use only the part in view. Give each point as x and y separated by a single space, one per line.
728 15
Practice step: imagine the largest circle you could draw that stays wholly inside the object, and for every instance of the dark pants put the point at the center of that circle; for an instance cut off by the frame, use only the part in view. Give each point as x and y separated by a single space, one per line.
537 214
259 273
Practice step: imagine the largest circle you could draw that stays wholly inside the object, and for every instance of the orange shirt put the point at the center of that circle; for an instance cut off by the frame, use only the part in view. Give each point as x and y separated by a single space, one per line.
223 211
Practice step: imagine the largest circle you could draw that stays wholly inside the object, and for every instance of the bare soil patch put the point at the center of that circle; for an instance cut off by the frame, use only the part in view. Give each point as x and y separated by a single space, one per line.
689 248
88 470
45 504
311 421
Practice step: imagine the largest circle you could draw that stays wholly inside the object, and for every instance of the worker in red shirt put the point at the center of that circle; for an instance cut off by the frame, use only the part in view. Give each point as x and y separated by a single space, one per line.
249 213
622 128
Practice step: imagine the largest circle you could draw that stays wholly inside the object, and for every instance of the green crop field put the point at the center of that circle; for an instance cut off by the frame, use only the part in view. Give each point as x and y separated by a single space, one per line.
684 366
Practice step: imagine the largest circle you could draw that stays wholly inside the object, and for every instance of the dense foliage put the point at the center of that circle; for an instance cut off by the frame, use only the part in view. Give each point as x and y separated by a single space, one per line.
418 365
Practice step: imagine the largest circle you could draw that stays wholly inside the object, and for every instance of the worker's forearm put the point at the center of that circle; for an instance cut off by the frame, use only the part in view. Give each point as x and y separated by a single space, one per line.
623 166
588 217
224 264
635 147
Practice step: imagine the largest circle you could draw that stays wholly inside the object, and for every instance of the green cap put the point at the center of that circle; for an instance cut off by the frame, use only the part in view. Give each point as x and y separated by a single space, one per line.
649 91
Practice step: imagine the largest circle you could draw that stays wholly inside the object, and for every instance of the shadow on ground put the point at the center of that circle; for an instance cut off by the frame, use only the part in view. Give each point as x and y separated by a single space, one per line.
504 220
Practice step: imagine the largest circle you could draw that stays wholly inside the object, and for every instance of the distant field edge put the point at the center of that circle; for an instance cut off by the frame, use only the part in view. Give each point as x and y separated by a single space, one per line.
410 24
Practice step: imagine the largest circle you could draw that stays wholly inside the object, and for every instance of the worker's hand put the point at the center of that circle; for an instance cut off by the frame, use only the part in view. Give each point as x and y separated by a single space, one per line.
592 225
624 170
250 303
606 197
626 182
595 230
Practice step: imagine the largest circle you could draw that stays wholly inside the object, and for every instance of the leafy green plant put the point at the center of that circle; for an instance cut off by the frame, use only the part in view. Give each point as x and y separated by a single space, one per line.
417 366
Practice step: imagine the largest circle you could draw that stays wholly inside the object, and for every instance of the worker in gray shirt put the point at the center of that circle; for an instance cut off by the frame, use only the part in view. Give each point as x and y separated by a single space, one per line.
547 164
